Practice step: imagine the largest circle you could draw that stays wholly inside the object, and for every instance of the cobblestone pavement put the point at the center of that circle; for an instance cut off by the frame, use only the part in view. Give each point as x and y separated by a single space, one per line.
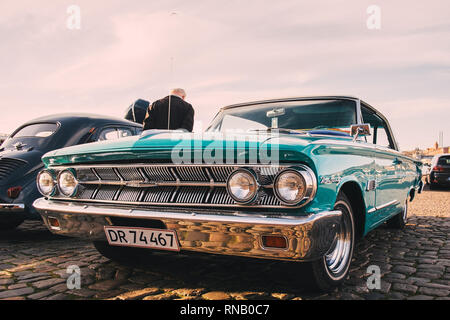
414 264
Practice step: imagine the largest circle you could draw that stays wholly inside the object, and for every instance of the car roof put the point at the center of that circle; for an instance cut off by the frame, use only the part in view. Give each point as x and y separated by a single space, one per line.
343 97
81 117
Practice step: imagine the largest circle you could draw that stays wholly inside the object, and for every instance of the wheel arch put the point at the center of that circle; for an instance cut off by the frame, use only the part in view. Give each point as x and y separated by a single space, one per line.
354 193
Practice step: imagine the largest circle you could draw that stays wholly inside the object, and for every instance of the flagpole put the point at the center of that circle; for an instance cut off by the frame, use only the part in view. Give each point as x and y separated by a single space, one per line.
170 98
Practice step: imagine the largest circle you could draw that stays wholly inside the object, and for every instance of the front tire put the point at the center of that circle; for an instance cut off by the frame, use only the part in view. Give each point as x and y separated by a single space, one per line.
331 270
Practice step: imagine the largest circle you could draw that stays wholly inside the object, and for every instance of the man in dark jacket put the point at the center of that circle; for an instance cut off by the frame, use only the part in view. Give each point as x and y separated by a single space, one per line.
171 109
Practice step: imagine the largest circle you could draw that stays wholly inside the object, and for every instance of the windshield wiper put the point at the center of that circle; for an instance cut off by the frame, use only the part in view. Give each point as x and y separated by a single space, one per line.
282 130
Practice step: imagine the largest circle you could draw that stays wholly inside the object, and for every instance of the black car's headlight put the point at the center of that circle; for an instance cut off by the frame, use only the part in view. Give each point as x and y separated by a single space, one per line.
46 183
67 183
242 186
295 185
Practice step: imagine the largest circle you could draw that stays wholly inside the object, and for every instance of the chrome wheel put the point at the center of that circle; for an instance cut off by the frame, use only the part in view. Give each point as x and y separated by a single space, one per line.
337 261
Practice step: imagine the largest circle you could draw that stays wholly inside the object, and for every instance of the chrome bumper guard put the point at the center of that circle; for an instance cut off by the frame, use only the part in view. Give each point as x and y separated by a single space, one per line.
12 207
308 238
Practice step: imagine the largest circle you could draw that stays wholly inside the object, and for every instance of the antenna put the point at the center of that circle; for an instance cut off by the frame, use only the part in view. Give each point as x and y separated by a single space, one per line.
172 14
170 98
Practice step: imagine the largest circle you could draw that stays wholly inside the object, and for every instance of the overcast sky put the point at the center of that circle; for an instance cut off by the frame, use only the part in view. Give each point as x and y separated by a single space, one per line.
226 52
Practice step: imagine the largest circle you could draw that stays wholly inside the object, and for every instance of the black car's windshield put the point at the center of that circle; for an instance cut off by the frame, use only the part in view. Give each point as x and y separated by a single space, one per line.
38 130
32 135
295 115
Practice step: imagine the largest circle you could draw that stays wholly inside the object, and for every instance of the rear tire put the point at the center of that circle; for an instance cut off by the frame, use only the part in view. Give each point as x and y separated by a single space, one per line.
332 269
122 255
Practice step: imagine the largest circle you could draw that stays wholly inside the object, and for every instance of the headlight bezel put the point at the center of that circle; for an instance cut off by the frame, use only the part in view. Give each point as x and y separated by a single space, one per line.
54 188
60 189
254 195
309 179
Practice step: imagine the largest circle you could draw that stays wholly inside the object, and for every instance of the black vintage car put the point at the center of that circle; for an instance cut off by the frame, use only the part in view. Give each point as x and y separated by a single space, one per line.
21 152
439 174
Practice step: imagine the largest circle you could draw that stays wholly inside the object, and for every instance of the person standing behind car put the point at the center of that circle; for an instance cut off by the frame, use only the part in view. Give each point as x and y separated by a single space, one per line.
171 112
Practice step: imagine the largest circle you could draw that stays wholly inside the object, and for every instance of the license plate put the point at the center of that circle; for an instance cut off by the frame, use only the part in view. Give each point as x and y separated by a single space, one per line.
142 238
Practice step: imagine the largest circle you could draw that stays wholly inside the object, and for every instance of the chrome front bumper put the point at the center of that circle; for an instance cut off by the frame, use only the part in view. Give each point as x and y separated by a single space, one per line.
308 238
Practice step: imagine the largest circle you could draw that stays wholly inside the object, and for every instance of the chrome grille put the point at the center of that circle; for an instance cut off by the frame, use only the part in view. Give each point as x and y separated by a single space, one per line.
106 193
221 173
86 192
220 196
192 194
169 185
189 173
130 174
159 174
107 174
129 194
86 175
159 194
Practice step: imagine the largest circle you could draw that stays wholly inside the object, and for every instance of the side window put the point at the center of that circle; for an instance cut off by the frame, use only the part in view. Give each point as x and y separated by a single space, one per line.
380 134
381 137
112 133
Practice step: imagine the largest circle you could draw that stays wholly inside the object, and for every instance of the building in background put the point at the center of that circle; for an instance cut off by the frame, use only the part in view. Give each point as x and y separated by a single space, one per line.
427 153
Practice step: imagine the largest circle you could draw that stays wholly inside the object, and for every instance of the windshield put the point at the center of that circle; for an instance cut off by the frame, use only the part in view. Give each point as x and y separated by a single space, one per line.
37 130
336 115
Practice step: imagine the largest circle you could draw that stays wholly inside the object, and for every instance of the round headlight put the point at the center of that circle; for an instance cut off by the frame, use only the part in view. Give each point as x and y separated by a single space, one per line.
45 183
67 183
290 187
242 186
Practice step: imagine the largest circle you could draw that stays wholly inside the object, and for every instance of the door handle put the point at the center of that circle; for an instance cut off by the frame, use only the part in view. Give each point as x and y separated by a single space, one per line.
397 161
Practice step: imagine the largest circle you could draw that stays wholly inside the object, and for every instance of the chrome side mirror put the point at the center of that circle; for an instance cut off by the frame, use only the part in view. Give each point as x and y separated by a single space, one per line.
360 130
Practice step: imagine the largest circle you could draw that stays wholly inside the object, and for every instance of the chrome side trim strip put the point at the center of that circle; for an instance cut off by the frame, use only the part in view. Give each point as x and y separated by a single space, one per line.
391 203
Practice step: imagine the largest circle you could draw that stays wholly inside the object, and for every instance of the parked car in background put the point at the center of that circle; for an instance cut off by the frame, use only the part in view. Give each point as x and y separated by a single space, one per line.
334 174
439 171
20 156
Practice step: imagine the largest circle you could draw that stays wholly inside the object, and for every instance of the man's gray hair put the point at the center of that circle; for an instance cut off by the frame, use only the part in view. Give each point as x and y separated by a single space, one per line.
178 92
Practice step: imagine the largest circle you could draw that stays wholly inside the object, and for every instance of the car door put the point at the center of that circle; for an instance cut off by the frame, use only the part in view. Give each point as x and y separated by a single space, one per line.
389 168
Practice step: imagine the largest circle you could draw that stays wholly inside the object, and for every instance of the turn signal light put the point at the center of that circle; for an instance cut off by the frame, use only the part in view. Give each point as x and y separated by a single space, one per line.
14 192
278 242
54 223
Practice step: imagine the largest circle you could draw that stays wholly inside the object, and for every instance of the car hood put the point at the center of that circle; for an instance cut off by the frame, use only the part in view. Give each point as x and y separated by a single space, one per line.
161 145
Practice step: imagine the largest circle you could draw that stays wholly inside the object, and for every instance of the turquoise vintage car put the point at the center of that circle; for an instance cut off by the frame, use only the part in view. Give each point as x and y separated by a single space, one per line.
298 179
